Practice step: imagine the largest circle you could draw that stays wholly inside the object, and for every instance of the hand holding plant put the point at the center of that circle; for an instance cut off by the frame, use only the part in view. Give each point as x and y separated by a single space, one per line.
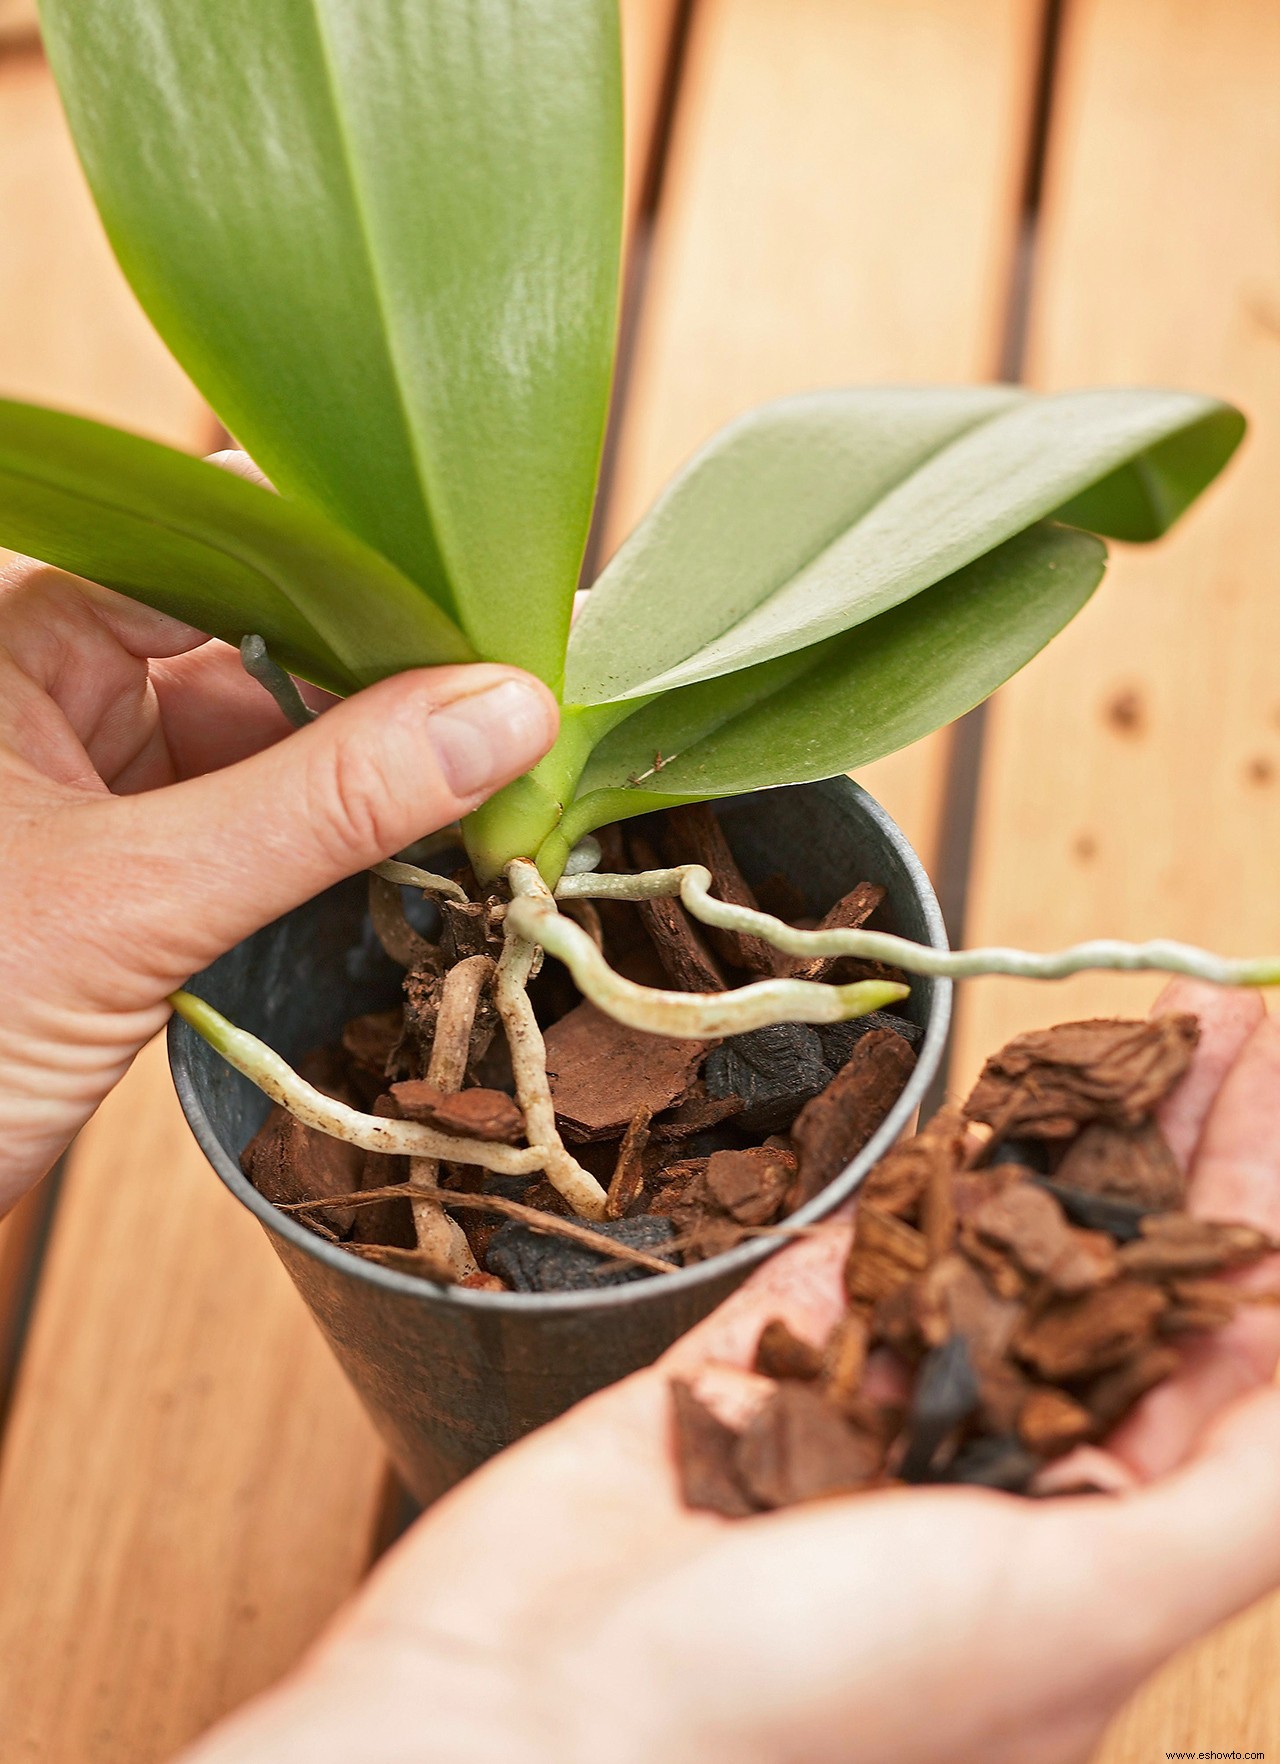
154 812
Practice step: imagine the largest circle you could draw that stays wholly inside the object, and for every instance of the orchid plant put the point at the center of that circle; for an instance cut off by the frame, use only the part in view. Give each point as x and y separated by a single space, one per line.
382 236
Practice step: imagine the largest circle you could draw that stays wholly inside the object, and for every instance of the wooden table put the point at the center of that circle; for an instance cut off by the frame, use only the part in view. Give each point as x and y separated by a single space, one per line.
822 191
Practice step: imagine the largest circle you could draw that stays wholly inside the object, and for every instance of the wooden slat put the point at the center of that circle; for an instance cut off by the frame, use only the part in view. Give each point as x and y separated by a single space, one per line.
1132 773
648 32
188 1486
842 195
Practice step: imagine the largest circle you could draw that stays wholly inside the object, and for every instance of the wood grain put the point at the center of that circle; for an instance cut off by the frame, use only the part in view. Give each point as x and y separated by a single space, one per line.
648 31
1132 776
842 196
188 1485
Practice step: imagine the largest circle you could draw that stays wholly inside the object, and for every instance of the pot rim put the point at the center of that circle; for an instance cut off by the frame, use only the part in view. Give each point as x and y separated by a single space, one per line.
181 1038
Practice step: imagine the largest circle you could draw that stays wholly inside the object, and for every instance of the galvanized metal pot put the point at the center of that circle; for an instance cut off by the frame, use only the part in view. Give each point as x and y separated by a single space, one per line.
451 1376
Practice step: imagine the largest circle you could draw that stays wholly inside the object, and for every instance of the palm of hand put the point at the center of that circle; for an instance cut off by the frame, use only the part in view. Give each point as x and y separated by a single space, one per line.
563 1604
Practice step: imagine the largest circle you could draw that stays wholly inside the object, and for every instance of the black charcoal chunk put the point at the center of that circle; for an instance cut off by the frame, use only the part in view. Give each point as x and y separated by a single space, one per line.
945 1395
533 1261
1028 1154
994 1461
775 1070
839 1039
1098 1212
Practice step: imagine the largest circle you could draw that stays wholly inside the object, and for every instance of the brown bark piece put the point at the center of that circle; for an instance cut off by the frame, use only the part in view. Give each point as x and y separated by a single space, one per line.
602 1072
287 1162
1197 1306
885 1254
848 914
799 1449
1131 1164
1049 1082
371 1040
1078 1337
1051 1422
627 1183
490 1115
832 1128
704 1454
844 1358
1032 1227
697 837
1000 1271
902 1175
686 961
1110 1397
1175 1244
695 1114
751 1185
781 1353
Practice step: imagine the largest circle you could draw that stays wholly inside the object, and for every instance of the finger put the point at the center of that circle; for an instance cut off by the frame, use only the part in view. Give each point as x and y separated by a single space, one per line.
211 714
1191 1550
214 858
1236 1176
1227 1018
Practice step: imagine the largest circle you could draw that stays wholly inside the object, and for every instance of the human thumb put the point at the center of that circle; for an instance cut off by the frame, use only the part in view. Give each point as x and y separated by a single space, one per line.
218 856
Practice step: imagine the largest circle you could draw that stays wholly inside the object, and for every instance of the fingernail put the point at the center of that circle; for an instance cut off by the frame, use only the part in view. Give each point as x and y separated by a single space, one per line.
490 736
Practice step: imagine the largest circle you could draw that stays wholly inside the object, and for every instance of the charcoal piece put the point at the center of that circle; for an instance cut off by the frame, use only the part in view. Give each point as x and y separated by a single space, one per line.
704 1449
1121 1220
532 1261
1131 1164
797 1448
839 1039
696 1115
833 1127
1028 1154
781 1353
1049 1082
775 1070
993 1461
945 1396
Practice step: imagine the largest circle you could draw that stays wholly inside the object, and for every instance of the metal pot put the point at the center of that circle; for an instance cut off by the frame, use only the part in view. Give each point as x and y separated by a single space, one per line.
452 1376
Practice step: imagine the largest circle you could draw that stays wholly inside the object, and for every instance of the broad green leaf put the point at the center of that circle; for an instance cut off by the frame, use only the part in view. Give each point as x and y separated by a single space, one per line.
382 237
211 549
853 698
813 515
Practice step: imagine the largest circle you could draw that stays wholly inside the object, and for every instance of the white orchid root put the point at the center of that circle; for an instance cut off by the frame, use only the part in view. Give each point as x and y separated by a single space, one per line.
529 1059
533 923
692 882
439 1236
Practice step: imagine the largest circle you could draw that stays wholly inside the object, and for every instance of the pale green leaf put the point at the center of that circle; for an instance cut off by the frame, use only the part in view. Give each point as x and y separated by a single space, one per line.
853 698
211 549
382 237
813 515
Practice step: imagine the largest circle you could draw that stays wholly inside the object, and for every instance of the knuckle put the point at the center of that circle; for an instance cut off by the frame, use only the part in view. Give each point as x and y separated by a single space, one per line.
352 806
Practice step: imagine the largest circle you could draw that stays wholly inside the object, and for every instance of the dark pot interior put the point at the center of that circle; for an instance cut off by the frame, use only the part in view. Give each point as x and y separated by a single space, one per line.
451 1376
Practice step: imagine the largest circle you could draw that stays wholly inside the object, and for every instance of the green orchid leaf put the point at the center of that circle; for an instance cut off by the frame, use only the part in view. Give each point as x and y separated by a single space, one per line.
382 237
815 514
204 545
850 699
